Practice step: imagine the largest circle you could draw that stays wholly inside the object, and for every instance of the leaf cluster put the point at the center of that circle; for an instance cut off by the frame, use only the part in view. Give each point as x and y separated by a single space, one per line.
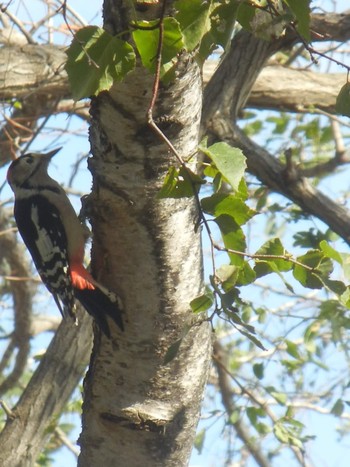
96 59
228 209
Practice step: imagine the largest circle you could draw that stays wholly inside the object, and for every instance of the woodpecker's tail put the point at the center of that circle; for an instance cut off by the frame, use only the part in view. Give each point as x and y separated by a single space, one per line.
96 299
99 305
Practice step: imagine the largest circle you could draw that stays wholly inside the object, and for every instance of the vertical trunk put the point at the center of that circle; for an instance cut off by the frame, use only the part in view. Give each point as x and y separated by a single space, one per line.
138 411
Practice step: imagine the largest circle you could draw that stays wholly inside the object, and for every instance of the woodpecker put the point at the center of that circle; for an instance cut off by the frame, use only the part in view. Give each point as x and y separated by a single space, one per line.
56 239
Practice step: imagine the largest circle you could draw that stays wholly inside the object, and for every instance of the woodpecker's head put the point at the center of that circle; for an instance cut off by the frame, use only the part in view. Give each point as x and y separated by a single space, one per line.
29 169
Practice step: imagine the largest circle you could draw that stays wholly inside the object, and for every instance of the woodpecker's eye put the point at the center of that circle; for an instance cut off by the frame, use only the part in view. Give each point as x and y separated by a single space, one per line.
29 159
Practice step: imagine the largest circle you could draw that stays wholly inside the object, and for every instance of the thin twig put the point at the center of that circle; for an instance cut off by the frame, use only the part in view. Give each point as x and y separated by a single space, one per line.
20 26
61 435
10 414
41 126
263 257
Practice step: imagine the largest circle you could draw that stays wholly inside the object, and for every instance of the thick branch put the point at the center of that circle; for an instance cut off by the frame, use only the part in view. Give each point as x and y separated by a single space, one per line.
220 360
58 374
34 75
246 57
142 410
331 27
289 89
22 293
31 69
276 87
274 175
139 410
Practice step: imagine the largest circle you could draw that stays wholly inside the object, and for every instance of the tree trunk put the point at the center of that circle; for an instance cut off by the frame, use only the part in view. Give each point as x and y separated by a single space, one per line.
138 410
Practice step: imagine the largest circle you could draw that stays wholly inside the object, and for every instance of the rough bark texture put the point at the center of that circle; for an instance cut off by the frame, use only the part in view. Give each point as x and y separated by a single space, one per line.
137 410
35 68
58 374
290 89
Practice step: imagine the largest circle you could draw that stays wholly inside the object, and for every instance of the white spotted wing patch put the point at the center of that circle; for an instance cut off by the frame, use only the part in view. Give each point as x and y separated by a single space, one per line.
44 240
43 233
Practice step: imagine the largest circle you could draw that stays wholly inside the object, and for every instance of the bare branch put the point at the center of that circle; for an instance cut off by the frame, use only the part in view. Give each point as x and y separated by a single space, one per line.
220 361
58 374
22 301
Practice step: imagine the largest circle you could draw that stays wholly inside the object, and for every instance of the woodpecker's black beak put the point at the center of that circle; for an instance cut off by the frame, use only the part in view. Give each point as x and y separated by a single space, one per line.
52 153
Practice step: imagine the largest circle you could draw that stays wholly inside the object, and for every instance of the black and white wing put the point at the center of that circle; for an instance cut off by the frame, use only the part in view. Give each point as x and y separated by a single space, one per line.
39 224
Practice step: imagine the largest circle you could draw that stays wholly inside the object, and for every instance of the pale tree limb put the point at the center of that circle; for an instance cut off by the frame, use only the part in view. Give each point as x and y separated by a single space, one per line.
224 375
222 103
42 75
49 389
143 409
22 292
224 386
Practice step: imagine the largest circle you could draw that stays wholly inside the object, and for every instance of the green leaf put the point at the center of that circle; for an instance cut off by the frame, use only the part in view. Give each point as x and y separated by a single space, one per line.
230 161
180 183
174 348
346 264
146 37
262 428
288 431
281 433
301 11
246 274
338 287
199 440
330 252
321 268
254 413
264 266
245 15
227 274
253 339
258 370
242 191
222 19
307 278
231 205
291 366
228 298
202 303
345 297
233 237
194 19
280 397
292 349
96 60
338 408
342 105
234 417
312 258
308 239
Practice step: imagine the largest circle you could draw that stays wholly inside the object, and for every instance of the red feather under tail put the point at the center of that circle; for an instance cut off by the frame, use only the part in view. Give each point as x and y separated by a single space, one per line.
98 301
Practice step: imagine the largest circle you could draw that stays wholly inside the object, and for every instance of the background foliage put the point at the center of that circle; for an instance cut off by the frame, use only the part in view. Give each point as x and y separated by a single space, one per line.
277 279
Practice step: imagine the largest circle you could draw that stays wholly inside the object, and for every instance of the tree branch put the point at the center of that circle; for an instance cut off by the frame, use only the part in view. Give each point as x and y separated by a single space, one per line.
220 361
22 293
246 58
58 374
